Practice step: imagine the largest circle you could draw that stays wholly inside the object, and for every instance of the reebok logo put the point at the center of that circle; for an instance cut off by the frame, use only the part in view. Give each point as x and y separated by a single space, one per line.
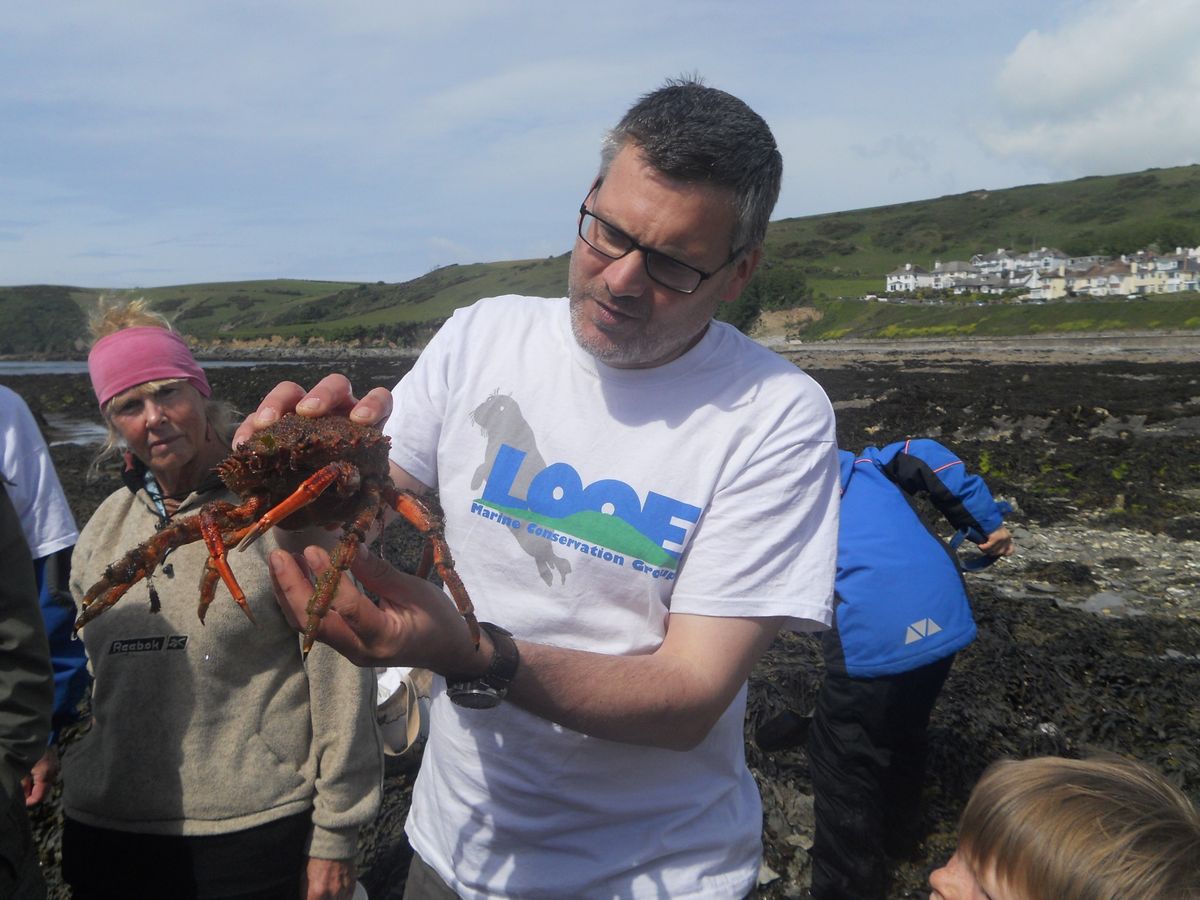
922 628
148 644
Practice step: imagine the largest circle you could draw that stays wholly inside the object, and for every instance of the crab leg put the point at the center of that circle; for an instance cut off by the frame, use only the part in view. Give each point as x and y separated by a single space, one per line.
134 566
218 564
437 551
310 489
340 559
208 587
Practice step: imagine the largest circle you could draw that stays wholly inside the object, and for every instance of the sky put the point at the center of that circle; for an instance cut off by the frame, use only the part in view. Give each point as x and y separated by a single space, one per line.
155 142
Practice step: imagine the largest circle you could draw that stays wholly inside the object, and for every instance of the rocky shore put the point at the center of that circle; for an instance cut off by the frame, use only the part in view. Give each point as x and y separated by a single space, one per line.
1089 637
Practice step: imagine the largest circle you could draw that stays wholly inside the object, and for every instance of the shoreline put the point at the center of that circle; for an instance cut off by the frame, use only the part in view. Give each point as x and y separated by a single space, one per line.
1091 346
1083 347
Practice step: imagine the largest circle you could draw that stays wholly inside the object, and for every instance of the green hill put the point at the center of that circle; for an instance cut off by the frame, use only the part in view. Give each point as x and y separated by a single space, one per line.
40 320
820 261
847 254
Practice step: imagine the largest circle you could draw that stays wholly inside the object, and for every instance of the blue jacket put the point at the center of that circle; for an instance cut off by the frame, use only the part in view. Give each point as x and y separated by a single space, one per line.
900 598
71 676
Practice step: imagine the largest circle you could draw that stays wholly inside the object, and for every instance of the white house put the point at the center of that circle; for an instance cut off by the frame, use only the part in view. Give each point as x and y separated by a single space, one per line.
993 263
1049 274
908 279
946 275
1043 260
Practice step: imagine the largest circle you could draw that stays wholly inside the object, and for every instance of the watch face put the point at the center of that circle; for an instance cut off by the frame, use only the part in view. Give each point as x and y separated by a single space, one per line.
474 696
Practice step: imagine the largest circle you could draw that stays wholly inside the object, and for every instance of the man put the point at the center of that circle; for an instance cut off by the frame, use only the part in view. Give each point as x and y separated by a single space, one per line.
901 614
26 694
652 497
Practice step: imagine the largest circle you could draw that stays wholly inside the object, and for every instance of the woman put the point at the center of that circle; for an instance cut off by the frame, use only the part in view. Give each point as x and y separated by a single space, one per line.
219 762
1068 829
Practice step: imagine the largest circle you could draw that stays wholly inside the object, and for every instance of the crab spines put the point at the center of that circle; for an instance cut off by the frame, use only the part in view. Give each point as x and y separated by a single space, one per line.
318 604
136 565
91 609
340 559
436 553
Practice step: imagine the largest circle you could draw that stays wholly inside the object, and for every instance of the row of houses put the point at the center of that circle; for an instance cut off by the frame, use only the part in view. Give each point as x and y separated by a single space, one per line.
1048 274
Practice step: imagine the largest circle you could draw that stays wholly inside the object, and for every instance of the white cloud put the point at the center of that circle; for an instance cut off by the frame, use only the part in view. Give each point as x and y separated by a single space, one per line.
374 139
1112 89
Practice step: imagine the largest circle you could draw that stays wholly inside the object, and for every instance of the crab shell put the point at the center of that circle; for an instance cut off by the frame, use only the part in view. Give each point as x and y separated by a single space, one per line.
277 459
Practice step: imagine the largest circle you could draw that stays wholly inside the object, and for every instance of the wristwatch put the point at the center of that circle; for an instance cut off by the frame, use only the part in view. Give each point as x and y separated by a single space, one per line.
486 691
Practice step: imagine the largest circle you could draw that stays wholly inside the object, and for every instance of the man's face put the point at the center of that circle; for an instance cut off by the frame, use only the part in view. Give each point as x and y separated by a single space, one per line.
618 313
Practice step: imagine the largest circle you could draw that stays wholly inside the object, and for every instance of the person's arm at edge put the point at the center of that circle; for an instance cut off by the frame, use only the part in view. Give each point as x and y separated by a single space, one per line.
28 680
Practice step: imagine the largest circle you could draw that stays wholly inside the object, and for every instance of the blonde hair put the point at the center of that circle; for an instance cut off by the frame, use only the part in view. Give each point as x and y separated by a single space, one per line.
1097 829
113 315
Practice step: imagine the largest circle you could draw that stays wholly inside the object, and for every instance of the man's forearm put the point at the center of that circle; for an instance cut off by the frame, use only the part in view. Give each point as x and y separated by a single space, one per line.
670 698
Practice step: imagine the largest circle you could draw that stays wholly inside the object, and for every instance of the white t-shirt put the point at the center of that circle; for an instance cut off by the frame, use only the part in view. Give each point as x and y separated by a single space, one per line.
584 504
33 485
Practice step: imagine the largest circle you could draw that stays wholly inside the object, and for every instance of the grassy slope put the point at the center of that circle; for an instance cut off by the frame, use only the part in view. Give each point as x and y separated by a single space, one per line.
860 319
813 260
848 253
297 308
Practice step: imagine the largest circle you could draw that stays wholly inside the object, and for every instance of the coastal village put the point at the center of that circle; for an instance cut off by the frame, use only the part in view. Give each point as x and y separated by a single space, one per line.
1049 274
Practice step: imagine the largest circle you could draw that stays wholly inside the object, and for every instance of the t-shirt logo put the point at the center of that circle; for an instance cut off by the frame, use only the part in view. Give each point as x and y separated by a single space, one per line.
548 504
148 644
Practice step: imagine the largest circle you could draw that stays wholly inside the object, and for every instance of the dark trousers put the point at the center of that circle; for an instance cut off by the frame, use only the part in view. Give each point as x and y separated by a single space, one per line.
20 872
425 884
261 863
866 752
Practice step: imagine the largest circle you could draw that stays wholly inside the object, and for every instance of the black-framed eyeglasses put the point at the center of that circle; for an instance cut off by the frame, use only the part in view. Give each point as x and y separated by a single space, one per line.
609 240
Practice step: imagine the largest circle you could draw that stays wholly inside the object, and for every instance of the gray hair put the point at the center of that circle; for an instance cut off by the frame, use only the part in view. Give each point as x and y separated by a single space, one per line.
697 134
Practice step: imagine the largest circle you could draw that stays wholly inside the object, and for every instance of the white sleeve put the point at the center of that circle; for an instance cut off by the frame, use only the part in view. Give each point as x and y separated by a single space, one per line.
419 403
767 544
33 484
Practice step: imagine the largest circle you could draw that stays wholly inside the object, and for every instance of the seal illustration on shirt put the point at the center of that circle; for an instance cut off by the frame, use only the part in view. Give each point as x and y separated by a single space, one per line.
500 418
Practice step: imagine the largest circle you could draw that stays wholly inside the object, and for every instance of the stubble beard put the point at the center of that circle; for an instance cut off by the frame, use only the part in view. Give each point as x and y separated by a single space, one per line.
629 352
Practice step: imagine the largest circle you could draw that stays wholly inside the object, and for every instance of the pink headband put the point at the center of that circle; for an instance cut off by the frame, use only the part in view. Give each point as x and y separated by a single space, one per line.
133 356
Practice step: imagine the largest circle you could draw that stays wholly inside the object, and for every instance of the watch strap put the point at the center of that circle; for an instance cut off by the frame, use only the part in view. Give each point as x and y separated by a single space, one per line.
487 690
506 659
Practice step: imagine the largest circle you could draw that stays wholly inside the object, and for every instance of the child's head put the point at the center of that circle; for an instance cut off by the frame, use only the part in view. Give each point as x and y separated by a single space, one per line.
1064 829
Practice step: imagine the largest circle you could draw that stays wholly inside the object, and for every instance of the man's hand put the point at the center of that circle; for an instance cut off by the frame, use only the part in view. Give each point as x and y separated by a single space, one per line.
332 395
415 624
999 543
328 879
41 778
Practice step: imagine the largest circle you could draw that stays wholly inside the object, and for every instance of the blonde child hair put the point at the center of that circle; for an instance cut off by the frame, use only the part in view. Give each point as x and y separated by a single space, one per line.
1097 829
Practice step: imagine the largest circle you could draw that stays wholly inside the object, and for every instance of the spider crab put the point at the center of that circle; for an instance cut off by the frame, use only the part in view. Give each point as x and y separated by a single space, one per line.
296 473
